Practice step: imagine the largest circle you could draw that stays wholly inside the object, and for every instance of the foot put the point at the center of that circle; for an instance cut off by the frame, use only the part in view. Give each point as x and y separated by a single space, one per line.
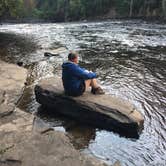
97 91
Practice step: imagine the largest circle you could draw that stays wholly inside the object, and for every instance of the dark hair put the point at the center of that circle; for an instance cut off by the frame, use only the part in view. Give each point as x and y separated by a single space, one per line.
72 55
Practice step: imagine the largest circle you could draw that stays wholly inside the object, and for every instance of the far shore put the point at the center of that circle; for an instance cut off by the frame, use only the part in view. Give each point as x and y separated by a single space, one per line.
159 20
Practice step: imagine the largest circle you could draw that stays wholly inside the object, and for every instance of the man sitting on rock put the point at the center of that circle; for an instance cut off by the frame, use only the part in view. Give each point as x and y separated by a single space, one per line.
76 79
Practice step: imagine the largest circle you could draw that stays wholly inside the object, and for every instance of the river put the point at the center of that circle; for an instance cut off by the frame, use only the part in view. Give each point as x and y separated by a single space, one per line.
129 56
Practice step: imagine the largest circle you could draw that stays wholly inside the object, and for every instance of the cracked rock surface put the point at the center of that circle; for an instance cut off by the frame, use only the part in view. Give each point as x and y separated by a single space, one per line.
20 143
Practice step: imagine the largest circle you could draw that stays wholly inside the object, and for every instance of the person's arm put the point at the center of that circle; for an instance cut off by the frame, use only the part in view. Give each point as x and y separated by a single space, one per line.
82 73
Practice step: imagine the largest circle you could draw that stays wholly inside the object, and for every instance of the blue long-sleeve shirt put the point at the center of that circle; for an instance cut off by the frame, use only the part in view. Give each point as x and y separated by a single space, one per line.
73 76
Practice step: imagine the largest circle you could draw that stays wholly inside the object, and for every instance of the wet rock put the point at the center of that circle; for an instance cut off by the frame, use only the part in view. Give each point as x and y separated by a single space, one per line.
50 149
20 63
59 50
84 26
6 110
117 163
48 54
55 52
21 144
9 162
103 111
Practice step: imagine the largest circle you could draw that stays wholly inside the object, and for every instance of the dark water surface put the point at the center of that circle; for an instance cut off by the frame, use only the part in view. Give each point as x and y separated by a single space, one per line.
129 56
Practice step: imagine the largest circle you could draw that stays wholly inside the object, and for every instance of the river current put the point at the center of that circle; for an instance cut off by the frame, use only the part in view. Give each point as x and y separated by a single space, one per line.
130 58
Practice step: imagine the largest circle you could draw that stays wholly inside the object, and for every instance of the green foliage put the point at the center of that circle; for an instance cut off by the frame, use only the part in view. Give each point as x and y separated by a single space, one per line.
76 10
62 10
36 13
122 7
13 8
164 7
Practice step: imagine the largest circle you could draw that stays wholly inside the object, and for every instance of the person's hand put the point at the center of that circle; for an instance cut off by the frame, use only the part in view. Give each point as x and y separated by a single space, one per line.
87 71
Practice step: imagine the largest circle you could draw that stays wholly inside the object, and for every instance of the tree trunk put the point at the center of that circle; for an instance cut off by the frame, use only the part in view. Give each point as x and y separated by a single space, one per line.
131 8
164 7
66 12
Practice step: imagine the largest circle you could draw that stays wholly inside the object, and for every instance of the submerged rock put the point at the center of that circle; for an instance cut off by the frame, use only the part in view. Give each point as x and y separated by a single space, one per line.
48 54
20 63
103 111
55 52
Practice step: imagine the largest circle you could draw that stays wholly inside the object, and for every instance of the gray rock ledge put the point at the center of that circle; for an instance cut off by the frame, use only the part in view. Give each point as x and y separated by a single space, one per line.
12 80
20 143
103 111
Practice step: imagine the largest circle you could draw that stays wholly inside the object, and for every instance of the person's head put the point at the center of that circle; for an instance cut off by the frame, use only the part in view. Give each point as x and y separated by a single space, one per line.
73 57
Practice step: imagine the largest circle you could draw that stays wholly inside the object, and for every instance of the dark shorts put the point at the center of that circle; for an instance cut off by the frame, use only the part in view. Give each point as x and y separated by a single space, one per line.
82 88
79 92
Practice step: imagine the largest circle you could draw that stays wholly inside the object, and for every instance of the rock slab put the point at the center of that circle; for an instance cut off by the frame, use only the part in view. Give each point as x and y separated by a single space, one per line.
20 143
103 111
12 80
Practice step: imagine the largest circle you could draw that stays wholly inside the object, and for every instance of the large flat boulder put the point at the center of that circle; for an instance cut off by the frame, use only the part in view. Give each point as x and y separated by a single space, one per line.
21 145
103 111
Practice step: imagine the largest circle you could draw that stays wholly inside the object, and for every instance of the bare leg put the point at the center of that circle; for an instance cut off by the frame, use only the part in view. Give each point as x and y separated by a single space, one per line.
91 83
96 89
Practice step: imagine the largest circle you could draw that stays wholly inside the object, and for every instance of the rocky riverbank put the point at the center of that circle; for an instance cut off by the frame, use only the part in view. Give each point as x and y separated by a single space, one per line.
21 144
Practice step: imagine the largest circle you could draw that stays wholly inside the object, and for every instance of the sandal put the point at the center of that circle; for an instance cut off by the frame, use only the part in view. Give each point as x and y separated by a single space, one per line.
97 91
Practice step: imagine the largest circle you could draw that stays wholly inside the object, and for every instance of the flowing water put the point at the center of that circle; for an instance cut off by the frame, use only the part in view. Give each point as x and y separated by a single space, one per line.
129 56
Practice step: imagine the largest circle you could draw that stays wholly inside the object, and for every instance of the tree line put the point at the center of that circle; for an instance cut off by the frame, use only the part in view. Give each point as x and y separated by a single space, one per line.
68 10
